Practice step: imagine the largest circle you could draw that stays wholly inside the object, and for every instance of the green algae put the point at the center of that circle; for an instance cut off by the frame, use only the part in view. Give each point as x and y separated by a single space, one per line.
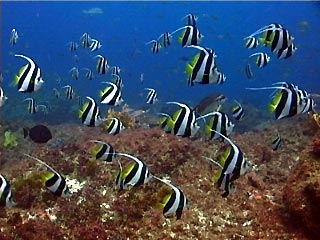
10 139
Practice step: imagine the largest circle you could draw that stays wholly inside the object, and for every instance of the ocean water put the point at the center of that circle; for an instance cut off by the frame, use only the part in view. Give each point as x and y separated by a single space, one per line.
123 28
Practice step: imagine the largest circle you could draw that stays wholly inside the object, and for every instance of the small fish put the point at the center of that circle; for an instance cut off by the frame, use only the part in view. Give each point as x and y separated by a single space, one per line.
33 107
191 19
115 71
111 95
89 73
38 134
90 114
134 174
152 96
286 52
86 40
155 47
56 93
6 196
237 111
183 122
261 60
117 80
103 151
73 46
252 42
74 73
14 37
69 92
29 77
102 64
114 126
248 71
223 182
190 36
54 181
166 39
3 98
276 142
174 203
95 45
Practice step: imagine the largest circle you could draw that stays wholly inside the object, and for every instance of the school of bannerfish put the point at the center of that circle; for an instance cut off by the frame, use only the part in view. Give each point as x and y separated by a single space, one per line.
287 100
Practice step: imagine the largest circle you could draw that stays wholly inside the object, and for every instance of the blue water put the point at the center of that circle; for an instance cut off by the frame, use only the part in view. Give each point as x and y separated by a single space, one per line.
123 28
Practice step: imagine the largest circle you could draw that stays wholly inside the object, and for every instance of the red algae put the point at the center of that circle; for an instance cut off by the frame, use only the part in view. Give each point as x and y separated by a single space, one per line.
259 209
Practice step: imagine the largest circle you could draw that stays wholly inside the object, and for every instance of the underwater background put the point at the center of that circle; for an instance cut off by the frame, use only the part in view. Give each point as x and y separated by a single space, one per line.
267 202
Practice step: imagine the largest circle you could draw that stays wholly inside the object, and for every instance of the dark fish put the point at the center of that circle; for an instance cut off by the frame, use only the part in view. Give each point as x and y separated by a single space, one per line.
39 133
248 71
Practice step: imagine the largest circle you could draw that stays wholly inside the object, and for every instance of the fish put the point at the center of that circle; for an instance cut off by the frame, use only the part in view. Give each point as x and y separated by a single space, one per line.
276 142
13 37
95 45
237 111
233 161
29 77
163 122
114 126
111 95
166 39
89 73
3 98
191 19
152 96
286 52
117 80
219 122
103 151
56 93
201 68
74 73
155 47
69 92
73 46
38 134
102 64
261 60
6 196
115 71
251 43
86 40
135 174
223 182
90 114
248 71
54 181
183 122
211 103
174 203
190 36
33 107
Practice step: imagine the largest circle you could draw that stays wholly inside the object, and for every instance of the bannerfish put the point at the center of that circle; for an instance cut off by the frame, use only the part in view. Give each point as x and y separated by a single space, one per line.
155 47
262 59
6 196
189 36
276 142
114 126
3 98
14 37
39 133
103 151
152 96
90 113
95 45
191 19
111 95
102 64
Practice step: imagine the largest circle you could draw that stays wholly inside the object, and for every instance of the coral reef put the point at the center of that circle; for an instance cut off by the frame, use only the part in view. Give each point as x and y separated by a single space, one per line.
316 147
10 139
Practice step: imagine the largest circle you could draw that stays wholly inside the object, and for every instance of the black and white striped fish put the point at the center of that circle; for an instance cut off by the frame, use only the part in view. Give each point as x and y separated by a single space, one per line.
174 203
3 98
95 45
135 174
29 77
54 181
262 59
102 64
6 196
155 46
237 111
165 39
103 151
69 92
286 52
33 107
74 73
152 96
86 40
183 122
276 142
189 36
89 74
56 93
248 71
73 46
13 37
251 42
113 126
111 95
115 71
191 19
202 67
117 80
90 114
